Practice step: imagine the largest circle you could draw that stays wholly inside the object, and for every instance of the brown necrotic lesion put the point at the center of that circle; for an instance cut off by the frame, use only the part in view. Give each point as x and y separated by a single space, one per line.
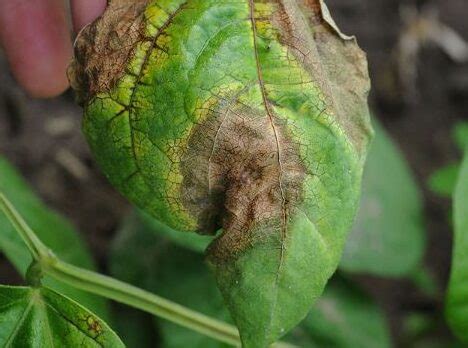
104 48
232 175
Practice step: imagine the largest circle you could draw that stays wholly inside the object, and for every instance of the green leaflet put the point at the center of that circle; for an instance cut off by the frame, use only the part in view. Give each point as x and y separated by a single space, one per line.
233 114
388 237
457 298
40 317
443 180
52 229
343 317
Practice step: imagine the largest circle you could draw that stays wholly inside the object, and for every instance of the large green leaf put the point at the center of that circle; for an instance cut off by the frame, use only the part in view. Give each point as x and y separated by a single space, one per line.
40 317
443 180
57 233
388 237
342 318
250 116
457 299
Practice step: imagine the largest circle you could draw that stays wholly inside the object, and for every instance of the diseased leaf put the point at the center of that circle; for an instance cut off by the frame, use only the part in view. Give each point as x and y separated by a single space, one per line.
390 218
457 298
388 237
57 233
250 116
40 317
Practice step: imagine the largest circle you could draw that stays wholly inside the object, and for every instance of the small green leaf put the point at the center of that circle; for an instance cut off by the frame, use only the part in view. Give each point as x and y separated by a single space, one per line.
422 330
343 318
460 135
247 116
457 298
40 317
425 281
388 238
443 180
416 325
57 233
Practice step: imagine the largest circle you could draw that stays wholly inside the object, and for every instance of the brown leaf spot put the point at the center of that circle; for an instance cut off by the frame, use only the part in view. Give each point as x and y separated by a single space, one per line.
103 48
235 178
94 325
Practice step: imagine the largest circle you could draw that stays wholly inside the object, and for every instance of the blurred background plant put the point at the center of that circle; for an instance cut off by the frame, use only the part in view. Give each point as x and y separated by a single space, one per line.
390 288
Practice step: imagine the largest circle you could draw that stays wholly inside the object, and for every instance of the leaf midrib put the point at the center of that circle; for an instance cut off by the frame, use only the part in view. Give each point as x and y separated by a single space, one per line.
266 104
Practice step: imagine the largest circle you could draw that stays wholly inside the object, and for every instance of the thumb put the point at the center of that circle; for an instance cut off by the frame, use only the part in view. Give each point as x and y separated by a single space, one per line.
86 11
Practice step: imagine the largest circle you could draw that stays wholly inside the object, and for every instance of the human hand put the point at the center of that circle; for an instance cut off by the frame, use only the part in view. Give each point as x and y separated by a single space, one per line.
37 41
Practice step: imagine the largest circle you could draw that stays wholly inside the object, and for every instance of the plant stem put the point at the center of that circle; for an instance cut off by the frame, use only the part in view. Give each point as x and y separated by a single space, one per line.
116 290
143 300
34 244
130 295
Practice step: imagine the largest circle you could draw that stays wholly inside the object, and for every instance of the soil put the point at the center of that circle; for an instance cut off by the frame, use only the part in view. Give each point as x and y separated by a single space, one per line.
43 139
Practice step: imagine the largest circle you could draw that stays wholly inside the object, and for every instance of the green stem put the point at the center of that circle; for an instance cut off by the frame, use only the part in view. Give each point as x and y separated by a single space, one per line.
130 295
34 244
116 290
